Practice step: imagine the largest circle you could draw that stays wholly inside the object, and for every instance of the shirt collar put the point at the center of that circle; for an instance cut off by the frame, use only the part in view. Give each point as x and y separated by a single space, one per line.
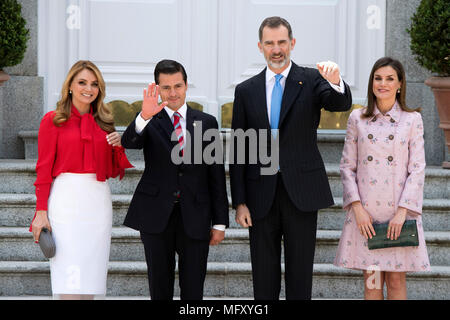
271 75
75 112
394 113
182 111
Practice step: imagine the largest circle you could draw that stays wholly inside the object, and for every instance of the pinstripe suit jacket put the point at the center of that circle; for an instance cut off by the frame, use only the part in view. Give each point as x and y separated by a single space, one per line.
306 93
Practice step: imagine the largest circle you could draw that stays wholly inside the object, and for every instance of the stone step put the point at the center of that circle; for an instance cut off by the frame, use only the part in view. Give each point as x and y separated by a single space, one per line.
17 210
232 280
18 176
435 215
330 145
16 244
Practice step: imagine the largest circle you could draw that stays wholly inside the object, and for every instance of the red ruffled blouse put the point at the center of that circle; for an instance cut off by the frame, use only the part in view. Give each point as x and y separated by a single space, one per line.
79 145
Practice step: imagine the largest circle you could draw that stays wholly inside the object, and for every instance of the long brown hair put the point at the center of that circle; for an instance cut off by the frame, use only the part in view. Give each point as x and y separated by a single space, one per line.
400 97
101 112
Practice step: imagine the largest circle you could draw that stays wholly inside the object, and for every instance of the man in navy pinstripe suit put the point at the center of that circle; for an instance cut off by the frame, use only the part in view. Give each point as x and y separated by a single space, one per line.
284 205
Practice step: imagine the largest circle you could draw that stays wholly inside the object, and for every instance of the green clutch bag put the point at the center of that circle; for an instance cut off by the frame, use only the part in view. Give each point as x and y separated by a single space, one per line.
408 236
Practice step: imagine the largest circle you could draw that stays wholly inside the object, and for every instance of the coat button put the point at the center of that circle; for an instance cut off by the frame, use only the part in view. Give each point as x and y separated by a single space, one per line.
180 174
370 136
370 158
392 120
391 137
390 158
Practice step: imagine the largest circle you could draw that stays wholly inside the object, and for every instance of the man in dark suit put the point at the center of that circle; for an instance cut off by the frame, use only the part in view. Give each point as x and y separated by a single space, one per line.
284 205
180 208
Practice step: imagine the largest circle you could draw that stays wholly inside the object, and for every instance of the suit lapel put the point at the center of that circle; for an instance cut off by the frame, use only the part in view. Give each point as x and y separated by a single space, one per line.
165 126
190 118
260 100
294 84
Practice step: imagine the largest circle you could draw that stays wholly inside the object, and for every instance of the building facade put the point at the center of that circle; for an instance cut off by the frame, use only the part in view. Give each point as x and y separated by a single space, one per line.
216 40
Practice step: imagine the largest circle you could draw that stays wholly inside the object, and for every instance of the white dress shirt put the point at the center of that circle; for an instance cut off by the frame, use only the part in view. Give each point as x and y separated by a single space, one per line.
141 123
270 83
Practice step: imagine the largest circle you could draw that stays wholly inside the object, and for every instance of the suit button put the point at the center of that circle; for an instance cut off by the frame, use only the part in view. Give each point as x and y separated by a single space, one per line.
391 137
390 158
370 158
392 120
370 136
180 174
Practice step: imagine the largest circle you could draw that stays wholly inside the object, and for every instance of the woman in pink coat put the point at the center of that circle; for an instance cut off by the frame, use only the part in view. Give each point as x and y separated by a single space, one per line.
383 172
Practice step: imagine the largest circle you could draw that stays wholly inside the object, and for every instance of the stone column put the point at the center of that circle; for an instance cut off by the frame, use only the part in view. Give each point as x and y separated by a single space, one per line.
21 98
398 15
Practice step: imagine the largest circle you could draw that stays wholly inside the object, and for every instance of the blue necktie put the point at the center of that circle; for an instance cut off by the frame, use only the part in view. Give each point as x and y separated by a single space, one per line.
275 107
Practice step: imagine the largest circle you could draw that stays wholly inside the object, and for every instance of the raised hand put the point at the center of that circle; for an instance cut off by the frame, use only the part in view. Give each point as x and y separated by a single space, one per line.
150 105
329 71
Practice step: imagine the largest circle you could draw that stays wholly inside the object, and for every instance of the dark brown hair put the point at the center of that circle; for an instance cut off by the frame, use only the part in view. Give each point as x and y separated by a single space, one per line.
169 67
400 97
273 23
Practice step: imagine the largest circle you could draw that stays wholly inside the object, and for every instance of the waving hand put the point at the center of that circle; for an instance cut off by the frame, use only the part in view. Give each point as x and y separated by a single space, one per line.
150 105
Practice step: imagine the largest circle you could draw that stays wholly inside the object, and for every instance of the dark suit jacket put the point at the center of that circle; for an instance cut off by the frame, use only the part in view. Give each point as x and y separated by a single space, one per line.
306 93
202 187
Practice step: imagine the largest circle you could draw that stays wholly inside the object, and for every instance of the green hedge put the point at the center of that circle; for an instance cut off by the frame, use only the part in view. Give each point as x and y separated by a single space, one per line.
430 35
13 34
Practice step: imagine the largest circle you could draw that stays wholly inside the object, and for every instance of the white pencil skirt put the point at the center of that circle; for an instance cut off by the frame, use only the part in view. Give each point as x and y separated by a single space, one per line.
80 214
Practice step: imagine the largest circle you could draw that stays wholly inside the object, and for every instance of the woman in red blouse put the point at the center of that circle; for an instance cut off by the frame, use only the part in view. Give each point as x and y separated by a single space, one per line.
78 150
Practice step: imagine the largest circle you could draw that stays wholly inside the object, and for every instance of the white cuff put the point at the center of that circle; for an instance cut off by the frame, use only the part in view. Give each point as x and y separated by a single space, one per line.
220 227
141 123
339 88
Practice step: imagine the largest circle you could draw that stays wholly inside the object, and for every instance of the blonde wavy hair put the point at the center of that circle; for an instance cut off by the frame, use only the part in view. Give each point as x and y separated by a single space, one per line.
101 111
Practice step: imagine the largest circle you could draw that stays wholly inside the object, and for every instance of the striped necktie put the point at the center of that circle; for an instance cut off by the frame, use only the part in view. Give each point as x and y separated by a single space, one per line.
275 106
178 130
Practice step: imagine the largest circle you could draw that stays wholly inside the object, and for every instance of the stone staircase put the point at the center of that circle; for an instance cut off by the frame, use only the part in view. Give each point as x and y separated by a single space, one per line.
24 272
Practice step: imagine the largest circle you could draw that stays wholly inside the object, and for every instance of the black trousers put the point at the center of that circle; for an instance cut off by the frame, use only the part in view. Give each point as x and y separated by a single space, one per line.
298 231
160 252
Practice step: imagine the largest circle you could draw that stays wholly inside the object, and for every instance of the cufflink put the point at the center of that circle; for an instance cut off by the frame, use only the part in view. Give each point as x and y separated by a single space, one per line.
300 83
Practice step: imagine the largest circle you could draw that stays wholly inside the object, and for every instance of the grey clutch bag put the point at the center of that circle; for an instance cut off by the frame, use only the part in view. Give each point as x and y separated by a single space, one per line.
47 243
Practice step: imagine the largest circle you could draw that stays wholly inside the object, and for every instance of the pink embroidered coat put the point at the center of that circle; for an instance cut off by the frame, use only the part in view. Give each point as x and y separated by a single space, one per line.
383 166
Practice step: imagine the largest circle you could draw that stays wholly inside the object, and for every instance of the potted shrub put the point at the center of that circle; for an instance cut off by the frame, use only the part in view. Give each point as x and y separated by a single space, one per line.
13 36
430 43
